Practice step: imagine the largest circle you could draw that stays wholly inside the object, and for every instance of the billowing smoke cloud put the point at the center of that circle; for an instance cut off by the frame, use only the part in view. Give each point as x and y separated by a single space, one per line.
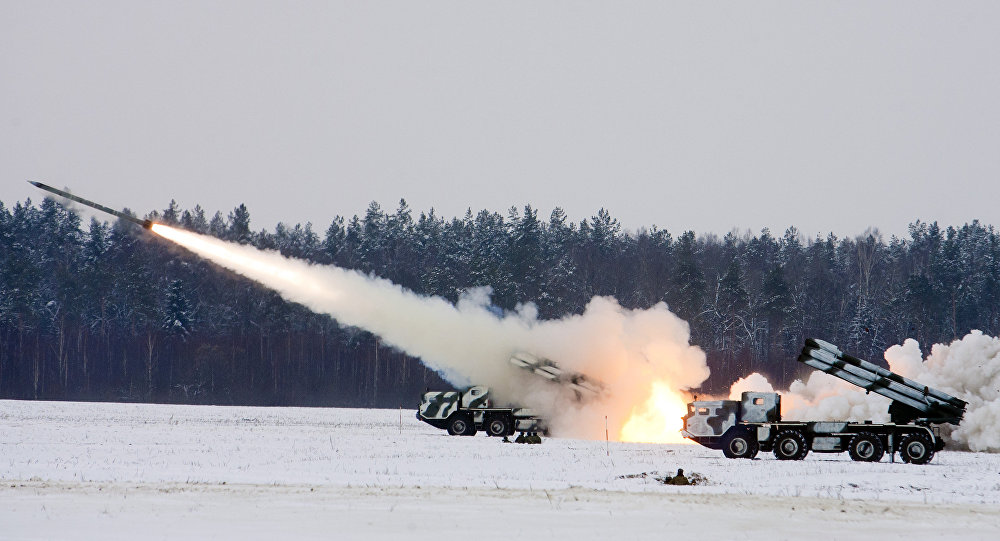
627 350
822 397
753 382
968 368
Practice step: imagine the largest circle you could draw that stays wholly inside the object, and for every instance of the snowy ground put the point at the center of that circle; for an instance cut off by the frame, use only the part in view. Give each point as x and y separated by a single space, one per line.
125 471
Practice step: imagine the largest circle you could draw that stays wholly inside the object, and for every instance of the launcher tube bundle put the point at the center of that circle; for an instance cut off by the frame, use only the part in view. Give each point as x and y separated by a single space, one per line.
912 400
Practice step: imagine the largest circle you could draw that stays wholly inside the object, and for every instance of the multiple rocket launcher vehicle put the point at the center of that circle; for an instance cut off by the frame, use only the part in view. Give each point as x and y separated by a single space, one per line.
740 428
464 413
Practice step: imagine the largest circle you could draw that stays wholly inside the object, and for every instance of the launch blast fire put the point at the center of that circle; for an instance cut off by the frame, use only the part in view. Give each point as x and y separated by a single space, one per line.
643 357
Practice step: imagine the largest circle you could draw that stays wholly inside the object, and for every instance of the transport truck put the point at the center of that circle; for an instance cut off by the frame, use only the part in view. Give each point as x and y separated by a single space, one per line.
742 428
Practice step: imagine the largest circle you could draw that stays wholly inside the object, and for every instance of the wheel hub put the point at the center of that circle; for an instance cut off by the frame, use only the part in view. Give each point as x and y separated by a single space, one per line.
738 446
865 449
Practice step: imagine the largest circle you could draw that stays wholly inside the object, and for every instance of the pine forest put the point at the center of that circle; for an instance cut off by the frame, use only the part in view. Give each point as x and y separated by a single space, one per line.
105 311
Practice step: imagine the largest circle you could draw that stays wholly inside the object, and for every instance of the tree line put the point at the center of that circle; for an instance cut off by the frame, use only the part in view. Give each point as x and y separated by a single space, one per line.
107 311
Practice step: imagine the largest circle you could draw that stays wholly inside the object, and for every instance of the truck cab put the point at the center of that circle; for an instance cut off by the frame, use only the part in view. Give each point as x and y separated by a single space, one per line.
708 421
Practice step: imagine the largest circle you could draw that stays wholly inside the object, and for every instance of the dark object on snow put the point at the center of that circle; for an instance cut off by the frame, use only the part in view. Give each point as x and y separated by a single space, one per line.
697 479
678 479
144 223
528 438
694 478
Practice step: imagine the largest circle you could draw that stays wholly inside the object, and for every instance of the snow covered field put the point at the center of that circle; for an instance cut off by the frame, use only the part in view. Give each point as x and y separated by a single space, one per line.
126 471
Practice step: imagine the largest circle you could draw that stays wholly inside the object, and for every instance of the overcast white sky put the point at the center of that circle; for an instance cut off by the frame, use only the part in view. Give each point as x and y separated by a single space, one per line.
688 115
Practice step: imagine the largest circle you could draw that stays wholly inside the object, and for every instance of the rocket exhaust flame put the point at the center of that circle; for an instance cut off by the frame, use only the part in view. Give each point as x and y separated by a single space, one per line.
221 251
642 357
658 420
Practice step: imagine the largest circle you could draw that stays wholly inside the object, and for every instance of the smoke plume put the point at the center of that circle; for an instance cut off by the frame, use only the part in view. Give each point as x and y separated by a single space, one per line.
968 368
466 343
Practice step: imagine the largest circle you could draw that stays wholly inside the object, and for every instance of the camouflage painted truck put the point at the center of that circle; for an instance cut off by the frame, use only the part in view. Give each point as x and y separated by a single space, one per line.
464 413
742 428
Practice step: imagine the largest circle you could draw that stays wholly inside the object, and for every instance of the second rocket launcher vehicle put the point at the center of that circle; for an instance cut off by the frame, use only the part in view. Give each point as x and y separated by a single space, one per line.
741 428
147 224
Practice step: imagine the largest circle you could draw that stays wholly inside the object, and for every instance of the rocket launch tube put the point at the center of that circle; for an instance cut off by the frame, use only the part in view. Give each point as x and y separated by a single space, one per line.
144 223
887 374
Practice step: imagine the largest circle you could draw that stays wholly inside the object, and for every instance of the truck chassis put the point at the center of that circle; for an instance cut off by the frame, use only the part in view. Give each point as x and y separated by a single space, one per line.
865 441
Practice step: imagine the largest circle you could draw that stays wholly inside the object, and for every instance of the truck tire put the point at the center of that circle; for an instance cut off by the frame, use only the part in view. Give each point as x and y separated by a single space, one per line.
461 425
866 447
790 445
740 443
499 426
916 449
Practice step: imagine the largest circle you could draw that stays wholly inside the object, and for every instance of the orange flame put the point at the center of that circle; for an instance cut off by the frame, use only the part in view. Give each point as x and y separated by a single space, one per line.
658 420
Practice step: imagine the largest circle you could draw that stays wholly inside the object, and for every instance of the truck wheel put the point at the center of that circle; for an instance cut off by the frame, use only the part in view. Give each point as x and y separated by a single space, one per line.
740 444
866 447
498 426
790 445
916 449
461 426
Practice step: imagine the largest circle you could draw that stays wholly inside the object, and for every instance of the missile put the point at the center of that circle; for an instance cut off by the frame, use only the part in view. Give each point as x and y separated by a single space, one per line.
144 223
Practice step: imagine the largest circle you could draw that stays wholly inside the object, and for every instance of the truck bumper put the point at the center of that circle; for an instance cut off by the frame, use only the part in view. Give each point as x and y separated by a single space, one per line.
712 442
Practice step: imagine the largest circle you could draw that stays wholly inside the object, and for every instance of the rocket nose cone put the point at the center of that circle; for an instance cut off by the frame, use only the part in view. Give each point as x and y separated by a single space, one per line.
35 184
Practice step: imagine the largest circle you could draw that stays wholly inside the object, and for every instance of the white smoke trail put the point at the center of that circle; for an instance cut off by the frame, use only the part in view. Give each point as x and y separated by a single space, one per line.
968 368
627 350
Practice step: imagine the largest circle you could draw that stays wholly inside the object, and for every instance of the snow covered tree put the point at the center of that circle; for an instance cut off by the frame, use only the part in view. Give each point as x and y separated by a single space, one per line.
178 316
333 241
107 312
689 280
524 255
239 225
